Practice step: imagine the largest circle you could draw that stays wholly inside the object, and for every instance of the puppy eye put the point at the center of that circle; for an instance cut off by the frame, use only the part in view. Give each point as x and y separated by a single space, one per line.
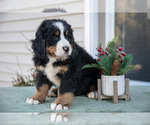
66 32
57 33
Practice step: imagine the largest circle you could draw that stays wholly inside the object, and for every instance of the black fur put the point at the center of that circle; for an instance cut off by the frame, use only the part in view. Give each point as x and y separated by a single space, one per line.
75 79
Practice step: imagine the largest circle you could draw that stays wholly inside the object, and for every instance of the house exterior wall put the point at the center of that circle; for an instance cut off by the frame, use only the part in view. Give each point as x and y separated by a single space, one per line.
40 5
17 29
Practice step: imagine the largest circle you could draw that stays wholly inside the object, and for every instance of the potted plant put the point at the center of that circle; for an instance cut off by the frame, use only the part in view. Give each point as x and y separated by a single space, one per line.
114 64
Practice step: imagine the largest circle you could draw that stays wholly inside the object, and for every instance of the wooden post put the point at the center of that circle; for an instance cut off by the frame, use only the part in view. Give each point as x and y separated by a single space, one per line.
127 89
115 87
99 85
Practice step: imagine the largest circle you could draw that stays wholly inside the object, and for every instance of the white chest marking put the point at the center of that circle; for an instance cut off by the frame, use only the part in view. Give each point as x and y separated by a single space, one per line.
51 72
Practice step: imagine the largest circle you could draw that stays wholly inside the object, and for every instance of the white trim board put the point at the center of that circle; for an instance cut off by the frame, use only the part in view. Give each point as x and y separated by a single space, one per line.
91 26
98 28
110 20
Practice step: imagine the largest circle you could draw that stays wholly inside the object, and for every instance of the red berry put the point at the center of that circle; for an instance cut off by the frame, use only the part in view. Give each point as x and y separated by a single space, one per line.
122 60
98 59
120 56
120 48
99 50
117 50
106 52
106 48
102 53
122 53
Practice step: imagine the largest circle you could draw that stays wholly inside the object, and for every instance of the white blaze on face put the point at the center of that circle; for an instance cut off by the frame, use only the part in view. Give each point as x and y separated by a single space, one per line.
62 42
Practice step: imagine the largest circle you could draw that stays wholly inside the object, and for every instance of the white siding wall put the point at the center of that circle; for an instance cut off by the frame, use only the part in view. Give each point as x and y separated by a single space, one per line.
16 29
40 5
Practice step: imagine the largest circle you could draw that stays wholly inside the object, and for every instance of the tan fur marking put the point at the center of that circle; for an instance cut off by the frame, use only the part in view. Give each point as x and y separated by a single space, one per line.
66 32
51 50
65 99
41 94
63 69
57 33
43 40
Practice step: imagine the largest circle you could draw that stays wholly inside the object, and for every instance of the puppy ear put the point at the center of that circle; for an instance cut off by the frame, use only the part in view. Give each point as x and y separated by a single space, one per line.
39 43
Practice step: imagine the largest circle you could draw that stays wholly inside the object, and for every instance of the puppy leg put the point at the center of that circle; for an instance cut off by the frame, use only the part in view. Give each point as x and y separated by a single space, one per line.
92 95
63 101
39 95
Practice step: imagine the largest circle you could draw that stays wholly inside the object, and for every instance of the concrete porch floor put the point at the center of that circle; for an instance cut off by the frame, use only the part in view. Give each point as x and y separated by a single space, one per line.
14 110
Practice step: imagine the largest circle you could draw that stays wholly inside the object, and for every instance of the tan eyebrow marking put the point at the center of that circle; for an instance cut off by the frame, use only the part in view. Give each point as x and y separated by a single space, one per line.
57 33
66 32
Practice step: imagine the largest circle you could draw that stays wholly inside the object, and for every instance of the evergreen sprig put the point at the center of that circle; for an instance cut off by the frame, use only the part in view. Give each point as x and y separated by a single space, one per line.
126 67
94 65
106 64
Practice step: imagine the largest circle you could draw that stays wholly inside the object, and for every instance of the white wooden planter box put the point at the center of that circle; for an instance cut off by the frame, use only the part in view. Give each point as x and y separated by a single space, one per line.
107 84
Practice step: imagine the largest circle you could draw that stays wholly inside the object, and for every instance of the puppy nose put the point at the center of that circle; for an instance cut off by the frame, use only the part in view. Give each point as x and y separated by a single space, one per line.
66 48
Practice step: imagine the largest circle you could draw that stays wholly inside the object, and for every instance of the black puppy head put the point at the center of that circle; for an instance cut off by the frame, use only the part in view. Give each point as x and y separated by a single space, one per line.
53 37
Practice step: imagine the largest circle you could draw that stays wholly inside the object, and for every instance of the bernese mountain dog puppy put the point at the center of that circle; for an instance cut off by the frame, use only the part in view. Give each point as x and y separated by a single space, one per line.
59 61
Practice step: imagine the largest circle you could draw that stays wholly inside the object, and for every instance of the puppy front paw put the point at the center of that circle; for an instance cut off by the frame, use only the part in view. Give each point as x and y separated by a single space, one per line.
32 101
63 102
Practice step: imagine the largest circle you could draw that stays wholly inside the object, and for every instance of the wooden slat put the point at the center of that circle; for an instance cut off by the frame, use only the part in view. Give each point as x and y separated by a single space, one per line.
115 88
11 68
12 37
16 58
8 5
72 7
12 17
21 48
127 89
77 21
5 84
7 77
15 47
99 87
27 36
79 34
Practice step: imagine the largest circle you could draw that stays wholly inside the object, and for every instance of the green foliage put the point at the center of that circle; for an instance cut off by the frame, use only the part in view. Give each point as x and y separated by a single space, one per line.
91 66
105 64
112 45
112 49
126 67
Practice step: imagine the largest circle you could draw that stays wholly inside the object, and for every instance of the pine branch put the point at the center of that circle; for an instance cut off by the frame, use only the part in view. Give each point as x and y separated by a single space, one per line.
125 66
94 65
127 69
